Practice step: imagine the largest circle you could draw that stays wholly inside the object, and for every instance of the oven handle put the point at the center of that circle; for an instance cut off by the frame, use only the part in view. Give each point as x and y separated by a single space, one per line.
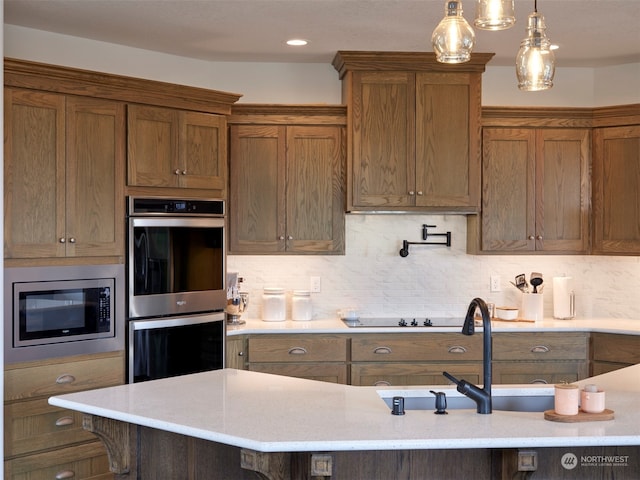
162 322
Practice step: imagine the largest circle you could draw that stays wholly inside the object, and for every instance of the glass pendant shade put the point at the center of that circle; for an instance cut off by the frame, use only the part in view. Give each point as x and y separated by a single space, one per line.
494 14
535 62
453 38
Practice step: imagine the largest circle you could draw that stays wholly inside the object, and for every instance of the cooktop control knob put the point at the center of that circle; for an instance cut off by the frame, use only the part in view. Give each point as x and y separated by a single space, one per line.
402 323
427 323
414 323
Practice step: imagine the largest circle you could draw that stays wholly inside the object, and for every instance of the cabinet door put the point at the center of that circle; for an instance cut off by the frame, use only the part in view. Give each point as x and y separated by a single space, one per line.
447 140
508 190
34 174
616 187
562 190
203 152
95 177
383 142
257 196
152 146
314 189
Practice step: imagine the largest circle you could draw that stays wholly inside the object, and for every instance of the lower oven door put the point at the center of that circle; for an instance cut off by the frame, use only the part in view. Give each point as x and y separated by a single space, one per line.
171 346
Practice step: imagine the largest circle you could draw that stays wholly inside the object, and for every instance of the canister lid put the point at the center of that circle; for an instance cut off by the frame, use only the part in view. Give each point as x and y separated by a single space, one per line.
273 290
301 293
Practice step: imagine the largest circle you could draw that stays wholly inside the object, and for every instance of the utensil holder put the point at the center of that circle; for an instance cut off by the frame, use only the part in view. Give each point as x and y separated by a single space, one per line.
532 306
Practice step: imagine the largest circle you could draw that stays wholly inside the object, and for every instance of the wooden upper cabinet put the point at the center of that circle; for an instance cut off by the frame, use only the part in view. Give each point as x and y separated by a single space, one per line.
174 148
286 188
415 132
616 190
535 191
64 164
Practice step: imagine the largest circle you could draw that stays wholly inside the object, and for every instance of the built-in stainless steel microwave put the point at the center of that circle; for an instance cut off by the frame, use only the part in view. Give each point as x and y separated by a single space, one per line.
58 311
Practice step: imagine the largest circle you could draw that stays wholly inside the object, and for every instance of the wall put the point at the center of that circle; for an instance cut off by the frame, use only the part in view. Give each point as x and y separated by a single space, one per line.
372 276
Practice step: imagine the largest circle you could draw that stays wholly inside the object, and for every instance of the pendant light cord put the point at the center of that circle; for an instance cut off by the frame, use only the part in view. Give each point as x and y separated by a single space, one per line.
535 6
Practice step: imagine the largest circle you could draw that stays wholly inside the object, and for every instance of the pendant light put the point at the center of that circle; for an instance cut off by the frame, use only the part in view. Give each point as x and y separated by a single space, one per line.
453 38
494 14
535 62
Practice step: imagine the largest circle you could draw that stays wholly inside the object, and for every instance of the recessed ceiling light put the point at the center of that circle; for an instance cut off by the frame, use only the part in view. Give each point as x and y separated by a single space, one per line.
296 42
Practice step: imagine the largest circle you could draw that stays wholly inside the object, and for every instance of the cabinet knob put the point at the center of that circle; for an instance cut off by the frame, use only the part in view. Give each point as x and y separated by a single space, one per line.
289 237
65 474
540 349
72 240
241 354
419 192
176 171
184 172
281 237
64 421
62 240
531 237
411 192
65 378
539 237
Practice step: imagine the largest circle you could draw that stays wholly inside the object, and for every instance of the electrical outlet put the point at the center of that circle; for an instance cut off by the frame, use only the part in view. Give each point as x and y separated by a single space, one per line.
494 283
314 284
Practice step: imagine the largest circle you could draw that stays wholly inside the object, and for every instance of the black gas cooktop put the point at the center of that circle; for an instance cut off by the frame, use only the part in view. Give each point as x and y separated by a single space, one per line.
405 322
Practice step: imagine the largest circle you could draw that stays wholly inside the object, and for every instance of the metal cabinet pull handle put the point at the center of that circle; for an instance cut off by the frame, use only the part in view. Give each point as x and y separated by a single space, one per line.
65 474
382 383
539 380
64 421
382 350
65 378
297 351
540 349
457 349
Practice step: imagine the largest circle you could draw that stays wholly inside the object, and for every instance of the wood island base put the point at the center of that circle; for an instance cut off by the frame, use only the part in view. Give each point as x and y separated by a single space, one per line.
137 452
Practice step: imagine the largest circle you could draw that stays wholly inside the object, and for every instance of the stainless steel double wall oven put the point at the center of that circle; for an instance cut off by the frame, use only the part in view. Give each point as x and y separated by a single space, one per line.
176 274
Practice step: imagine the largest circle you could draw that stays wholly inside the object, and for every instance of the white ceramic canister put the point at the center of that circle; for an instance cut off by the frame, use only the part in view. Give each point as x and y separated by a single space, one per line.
301 305
273 304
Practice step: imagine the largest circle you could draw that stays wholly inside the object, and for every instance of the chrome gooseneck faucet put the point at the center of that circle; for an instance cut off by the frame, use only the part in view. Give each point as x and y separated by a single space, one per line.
482 396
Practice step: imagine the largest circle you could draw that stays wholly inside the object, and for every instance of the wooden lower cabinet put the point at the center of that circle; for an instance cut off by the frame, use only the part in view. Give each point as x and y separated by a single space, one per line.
314 356
236 352
396 374
540 357
42 441
613 351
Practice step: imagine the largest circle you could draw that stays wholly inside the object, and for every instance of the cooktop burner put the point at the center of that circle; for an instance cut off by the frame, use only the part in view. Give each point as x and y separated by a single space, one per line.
405 322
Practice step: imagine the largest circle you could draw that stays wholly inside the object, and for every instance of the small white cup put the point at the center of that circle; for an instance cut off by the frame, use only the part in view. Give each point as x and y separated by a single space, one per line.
567 398
592 402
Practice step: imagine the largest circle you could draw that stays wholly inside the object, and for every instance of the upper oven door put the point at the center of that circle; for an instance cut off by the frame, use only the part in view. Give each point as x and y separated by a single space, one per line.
176 265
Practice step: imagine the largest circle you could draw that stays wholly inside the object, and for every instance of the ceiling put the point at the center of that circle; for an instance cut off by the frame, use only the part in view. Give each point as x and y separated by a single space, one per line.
590 33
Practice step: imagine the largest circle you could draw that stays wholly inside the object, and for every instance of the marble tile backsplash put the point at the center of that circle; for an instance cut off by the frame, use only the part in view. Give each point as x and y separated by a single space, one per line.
433 280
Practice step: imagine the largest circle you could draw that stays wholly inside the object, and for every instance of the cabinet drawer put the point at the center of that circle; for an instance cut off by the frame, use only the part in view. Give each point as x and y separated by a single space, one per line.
35 425
323 372
404 374
443 347
297 348
538 372
88 461
609 347
540 346
46 379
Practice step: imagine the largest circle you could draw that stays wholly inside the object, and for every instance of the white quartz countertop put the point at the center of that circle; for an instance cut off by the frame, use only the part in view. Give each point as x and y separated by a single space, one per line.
273 413
335 325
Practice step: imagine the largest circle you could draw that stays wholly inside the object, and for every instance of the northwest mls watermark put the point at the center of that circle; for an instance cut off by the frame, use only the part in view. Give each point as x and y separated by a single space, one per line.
570 461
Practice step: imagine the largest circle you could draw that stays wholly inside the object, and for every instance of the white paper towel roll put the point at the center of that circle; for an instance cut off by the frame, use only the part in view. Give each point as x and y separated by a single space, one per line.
563 298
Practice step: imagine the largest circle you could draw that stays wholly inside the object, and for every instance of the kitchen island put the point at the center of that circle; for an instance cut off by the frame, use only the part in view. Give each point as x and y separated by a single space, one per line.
237 423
